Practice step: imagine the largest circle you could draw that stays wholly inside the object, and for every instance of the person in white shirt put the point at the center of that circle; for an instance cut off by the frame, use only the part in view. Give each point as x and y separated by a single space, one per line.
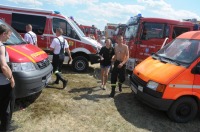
30 37
59 45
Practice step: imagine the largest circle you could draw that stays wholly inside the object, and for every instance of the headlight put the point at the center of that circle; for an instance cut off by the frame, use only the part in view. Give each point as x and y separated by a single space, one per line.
28 66
156 86
152 85
96 48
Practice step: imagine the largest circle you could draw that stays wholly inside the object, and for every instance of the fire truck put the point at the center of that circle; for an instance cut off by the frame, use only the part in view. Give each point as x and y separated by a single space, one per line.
145 36
90 30
120 30
44 23
110 29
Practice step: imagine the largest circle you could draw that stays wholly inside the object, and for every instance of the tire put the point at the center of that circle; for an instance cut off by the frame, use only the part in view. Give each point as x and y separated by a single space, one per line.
80 64
183 110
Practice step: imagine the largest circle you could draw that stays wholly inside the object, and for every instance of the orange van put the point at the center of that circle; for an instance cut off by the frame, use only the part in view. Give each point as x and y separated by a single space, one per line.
169 80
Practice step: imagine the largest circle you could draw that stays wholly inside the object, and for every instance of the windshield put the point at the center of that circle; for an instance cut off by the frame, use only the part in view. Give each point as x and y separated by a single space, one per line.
181 50
77 28
116 31
15 38
131 31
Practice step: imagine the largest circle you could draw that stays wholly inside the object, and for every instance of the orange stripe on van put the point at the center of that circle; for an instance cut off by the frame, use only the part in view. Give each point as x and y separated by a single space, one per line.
31 59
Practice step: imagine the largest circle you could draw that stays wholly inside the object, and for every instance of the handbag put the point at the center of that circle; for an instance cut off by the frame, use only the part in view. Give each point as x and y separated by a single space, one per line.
62 53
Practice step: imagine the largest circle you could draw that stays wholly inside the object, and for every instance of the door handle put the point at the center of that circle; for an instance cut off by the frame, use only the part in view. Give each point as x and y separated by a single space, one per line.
43 37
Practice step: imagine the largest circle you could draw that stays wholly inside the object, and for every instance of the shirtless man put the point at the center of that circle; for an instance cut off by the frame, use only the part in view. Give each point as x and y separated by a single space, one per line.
120 58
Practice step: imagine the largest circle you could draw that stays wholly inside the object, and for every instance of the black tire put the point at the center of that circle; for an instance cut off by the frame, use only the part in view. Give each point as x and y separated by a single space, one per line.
80 64
183 110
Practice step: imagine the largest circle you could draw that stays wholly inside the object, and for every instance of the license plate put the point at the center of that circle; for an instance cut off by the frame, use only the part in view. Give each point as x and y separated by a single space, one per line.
134 89
140 88
48 78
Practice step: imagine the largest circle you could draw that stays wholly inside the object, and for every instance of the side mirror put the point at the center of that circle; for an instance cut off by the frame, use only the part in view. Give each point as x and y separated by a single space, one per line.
196 69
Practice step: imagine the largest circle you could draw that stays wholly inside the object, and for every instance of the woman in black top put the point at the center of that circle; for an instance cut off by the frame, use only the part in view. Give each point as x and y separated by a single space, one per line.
106 53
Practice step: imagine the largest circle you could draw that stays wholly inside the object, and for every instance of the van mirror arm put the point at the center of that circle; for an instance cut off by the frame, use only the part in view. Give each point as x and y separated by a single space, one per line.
164 43
196 69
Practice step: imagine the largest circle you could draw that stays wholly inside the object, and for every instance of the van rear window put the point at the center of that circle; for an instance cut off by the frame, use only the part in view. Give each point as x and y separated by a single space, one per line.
19 22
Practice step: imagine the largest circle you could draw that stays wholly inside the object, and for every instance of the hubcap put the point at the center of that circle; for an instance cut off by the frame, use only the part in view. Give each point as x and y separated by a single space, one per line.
80 65
184 110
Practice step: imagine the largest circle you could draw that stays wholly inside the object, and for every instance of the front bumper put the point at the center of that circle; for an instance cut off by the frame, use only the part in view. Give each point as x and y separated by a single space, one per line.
130 64
28 83
94 58
142 94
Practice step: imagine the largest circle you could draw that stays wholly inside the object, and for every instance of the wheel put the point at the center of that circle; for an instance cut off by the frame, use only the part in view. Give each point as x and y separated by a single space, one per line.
80 64
183 110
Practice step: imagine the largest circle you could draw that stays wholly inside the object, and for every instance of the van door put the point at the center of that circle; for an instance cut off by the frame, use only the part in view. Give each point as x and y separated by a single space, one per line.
19 22
196 85
152 37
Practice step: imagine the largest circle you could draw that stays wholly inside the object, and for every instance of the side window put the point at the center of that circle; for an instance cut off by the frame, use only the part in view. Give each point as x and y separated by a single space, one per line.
178 31
167 31
152 30
67 28
19 22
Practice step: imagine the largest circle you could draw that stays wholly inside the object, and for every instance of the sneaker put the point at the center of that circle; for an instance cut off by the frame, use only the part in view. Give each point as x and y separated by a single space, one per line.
101 86
104 87
65 83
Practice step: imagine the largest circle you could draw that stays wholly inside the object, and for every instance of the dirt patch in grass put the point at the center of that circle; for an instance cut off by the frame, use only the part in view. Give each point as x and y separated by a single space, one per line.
84 107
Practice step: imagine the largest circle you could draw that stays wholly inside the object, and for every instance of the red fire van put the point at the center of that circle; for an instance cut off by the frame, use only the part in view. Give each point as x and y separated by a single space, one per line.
30 65
44 23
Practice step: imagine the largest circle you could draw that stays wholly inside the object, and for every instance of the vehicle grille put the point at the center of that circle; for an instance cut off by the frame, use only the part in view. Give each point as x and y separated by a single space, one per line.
44 63
137 81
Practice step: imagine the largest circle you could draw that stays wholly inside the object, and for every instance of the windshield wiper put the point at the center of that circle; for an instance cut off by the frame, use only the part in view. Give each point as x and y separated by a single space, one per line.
172 60
23 42
7 43
155 56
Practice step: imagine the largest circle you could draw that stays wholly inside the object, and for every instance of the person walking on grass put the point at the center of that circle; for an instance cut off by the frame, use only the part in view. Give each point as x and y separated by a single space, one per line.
59 45
120 58
106 53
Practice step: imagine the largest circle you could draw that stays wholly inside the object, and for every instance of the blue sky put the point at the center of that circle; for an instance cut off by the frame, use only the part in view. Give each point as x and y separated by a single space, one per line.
101 12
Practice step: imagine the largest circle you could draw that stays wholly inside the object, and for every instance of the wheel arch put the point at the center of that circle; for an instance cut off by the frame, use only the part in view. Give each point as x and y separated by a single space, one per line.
184 109
197 100
74 55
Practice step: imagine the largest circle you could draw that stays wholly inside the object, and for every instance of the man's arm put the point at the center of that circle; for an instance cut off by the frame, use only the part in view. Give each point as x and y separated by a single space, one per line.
51 48
126 55
69 53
